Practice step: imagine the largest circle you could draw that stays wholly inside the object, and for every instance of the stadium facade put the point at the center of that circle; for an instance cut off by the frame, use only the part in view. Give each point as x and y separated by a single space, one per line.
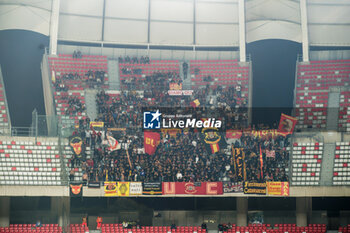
202 33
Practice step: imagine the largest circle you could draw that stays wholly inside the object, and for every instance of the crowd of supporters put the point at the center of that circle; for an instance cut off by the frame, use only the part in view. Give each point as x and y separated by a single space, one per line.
180 157
74 106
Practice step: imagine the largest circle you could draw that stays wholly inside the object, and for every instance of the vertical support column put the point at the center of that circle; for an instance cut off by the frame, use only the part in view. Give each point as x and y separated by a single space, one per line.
194 22
60 209
103 22
304 30
55 13
149 23
241 22
242 211
4 211
303 210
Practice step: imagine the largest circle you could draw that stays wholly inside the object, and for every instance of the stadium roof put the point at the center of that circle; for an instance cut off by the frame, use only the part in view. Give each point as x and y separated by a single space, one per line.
182 22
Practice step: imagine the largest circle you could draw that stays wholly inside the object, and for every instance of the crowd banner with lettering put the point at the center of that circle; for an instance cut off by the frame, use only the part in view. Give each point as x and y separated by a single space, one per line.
97 125
116 129
287 124
152 188
111 189
123 189
238 162
151 141
135 188
192 188
278 188
180 92
232 187
254 188
268 133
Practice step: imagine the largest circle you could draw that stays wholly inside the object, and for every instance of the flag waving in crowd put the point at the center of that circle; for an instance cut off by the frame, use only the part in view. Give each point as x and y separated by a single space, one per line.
213 139
287 124
195 103
151 141
113 143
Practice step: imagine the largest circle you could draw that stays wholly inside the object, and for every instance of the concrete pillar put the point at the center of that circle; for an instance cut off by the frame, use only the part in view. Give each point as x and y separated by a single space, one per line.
60 208
241 26
303 211
4 211
304 30
55 13
242 211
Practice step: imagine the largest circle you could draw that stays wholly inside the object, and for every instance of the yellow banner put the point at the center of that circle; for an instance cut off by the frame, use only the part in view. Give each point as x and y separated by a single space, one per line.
123 189
116 129
111 189
97 124
278 188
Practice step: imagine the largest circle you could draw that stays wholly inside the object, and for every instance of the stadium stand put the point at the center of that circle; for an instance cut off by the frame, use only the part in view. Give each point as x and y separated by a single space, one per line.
278 228
311 109
341 172
25 162
134 75
78 228
118 228
306 163
81 70
31 228
221 73
70 77
344 111
345 229
314 81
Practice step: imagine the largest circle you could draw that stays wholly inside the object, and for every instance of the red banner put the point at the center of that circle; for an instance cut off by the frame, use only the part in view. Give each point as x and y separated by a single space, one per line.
287 124
233 133
261 164
151 141
192 188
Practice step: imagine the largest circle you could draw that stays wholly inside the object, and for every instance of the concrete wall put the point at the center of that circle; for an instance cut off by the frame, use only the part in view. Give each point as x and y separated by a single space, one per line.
276 217
194 218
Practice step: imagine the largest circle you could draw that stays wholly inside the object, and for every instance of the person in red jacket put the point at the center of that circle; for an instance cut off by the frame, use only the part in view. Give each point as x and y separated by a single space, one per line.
84 222
99 223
